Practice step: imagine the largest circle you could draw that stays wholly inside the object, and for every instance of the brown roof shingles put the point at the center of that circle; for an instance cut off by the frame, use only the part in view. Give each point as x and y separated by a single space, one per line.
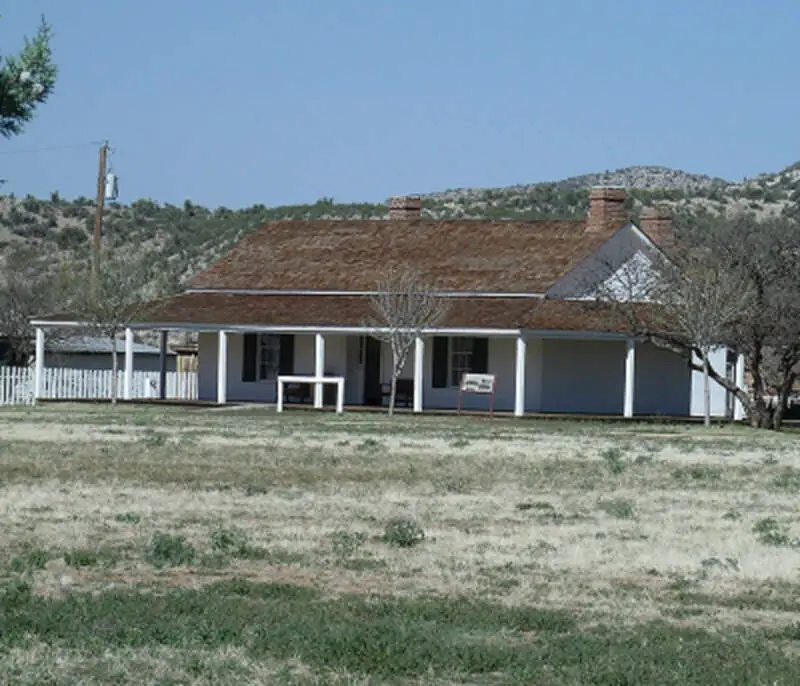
221 309
474 256
467 255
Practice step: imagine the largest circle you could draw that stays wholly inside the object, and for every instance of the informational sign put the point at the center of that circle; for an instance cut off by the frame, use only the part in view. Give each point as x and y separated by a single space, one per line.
477 383
481 384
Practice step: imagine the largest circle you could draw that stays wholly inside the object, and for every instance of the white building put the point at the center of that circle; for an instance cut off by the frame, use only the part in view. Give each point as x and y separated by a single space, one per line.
292 298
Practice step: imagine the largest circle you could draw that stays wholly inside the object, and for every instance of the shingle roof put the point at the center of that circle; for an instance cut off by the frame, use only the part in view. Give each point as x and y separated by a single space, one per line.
97 345
474 256
453 255
232 309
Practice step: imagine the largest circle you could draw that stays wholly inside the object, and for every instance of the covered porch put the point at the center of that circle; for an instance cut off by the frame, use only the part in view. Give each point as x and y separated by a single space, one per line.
546 356
534 371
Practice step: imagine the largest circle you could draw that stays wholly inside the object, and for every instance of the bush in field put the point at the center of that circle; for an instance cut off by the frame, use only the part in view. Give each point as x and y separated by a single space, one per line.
169 550
13 593
81 558
403 533
230 541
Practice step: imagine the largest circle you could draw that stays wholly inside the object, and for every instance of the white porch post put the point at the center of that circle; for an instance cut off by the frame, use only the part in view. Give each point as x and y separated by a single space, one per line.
519 377
222 368
630 376
162 366
319 367
419 365
38 369
738 408
127 385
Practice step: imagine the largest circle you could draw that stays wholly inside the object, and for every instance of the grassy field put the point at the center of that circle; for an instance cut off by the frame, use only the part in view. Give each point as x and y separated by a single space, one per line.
233 546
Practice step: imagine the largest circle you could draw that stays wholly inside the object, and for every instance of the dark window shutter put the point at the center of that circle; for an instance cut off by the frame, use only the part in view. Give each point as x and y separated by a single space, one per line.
480 356
249 359
440 362
286 362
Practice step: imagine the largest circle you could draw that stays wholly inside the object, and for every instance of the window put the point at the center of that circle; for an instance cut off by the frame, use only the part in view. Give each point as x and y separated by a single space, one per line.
269 353
453 357
460 359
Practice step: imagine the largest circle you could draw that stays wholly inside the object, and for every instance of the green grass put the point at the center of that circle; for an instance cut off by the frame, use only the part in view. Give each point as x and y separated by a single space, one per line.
481 551
396 638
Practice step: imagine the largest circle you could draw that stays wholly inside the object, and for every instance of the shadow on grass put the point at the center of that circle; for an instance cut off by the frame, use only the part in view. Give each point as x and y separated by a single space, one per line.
395 638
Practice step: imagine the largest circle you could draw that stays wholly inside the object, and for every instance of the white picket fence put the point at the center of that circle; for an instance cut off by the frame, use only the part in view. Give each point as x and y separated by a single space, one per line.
16 385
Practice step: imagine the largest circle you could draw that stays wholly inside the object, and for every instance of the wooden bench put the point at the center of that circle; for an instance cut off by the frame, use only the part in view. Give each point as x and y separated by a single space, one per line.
404 396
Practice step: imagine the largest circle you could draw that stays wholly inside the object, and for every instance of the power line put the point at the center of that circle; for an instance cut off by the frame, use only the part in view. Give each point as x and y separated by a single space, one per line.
50 148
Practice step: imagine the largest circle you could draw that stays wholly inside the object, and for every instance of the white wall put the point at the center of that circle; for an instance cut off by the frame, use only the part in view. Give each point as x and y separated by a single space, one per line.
207 366
534 374
583 376
560 375
662 382
589 377
502 352
261 391
718 393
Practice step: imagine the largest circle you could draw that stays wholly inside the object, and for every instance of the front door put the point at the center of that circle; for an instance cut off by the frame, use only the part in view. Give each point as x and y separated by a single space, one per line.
372 371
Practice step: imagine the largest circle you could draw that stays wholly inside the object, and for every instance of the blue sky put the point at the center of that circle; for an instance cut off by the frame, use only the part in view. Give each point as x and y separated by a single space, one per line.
284 101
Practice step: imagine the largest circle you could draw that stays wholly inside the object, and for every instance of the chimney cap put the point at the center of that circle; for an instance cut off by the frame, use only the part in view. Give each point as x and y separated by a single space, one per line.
608 193
404 199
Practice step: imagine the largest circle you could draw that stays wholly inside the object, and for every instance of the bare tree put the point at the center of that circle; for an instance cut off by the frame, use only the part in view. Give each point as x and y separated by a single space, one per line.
404 306
29 286
108 300
765 253
734 281
700 304
684 305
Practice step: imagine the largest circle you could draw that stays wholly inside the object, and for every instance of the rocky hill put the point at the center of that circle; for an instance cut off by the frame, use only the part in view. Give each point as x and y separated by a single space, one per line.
642 178
190 236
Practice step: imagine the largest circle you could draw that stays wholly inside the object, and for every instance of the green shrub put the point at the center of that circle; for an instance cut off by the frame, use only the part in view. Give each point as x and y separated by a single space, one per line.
614 459
403 533
13 593
229 541
169 550
81 558
769 532
539 505
30 560
128 518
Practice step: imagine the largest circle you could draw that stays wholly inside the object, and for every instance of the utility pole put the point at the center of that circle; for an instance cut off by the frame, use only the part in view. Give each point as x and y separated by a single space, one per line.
101 203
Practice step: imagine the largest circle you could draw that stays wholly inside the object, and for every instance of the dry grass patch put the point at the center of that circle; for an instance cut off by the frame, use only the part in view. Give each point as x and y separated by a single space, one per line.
614 524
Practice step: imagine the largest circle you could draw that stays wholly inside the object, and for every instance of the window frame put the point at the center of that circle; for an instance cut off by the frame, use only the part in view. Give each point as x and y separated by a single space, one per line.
452 352
266 372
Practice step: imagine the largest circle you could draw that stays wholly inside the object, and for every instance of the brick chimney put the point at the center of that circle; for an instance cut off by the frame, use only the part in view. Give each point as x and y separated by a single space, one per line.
405 207
607 211
657 224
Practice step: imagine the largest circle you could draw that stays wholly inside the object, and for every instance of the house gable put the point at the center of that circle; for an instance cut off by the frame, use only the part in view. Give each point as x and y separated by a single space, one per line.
622 268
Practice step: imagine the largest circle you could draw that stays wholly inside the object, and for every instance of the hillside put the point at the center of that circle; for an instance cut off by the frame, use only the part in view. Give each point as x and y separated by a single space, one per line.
191 236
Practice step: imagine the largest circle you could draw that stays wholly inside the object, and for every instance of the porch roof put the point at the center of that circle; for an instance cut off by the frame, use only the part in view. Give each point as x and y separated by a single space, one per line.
198 309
